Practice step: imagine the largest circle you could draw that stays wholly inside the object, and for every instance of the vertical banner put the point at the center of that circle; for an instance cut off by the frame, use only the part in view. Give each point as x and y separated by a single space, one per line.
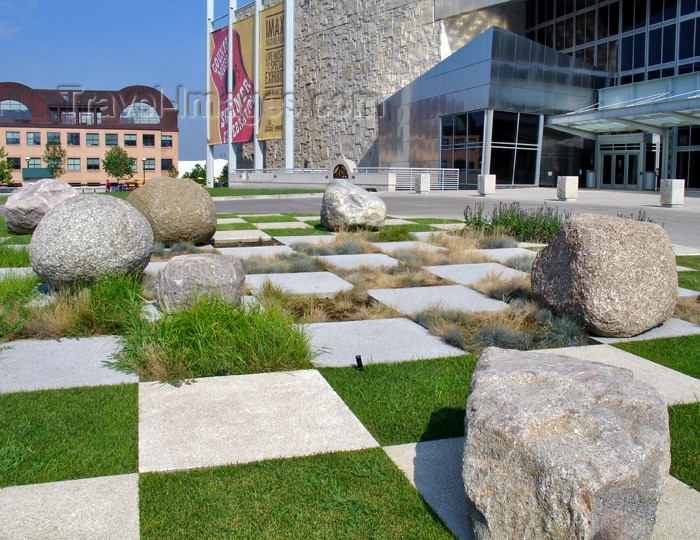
243 118
271 83
242 105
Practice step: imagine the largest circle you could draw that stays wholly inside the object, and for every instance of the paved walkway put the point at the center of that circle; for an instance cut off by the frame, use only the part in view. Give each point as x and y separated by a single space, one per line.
283 415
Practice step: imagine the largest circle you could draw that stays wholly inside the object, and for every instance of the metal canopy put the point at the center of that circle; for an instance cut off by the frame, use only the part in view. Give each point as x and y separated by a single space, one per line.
651 117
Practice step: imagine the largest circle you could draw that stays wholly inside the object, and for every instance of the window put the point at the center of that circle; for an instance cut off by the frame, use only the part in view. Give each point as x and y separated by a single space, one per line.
73 139
68 118
92 139
34 163
139 113
130 139
53 138
33 138
166 141
14 163
149 164
93 164
14 111
165 164
111 139
149 140
73 164
86 119
133 164
12 137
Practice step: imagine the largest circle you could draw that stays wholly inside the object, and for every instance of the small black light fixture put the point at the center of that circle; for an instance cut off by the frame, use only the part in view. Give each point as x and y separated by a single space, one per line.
358 363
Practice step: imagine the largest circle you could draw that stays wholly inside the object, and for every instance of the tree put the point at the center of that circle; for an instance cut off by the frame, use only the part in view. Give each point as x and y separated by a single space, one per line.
223 177
118 164
198 174
55 159
5 168
173 172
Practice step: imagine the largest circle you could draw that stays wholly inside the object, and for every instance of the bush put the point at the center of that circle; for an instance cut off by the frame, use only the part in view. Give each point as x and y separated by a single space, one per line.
538 225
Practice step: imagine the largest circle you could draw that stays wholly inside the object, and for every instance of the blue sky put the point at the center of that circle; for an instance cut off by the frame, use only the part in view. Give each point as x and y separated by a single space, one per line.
110 44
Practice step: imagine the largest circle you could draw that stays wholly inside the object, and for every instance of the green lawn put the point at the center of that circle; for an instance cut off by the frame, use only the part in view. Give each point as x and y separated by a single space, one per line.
689 280
231 192
22 239
684 421
315 231
3 199
235 227
284 218
679 353
409 401
56 435
348 495
13 258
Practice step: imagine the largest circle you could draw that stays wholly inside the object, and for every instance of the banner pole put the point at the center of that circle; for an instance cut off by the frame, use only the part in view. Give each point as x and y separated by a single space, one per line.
257 146
289 84
210 147
232 162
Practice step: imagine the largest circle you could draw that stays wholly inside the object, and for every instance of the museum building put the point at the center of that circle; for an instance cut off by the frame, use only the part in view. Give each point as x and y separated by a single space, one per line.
87 123
608 90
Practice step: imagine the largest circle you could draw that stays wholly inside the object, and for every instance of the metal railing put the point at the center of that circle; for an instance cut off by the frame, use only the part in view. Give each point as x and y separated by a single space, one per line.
408 178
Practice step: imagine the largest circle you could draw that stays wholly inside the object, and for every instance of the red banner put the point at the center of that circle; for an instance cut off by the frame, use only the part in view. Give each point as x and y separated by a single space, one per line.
243 102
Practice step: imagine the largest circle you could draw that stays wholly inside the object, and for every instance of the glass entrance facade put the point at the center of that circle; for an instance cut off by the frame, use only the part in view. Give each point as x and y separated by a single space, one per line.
462 145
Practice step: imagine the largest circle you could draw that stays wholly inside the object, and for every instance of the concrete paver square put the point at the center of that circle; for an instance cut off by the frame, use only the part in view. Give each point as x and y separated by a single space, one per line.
240 419
466 274
379 341
255 251
35 364
313 283
674 386
283 225
16 272
423 236
226 221
228 238
398 221
687 293
307 218
369 260
683 250
153 267
416 299
435 470
503 254
408 245
86 509
671 328
314 239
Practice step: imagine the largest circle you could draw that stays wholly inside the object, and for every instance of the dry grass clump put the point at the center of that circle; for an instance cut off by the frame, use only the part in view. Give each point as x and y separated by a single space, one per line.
506 290
688 309
344 243
162 253
398 277
460 247
281 264
352 305
523 326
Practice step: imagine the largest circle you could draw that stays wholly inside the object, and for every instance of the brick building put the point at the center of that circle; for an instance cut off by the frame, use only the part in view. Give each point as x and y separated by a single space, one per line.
87 123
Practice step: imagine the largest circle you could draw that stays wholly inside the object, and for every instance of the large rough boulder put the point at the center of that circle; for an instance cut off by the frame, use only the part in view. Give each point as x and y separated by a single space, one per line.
86 236
617 276
560 448
178 210
188 277
25 209
346 206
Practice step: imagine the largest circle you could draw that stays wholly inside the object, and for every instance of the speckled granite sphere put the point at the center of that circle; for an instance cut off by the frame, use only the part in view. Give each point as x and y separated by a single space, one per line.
89 235
179 210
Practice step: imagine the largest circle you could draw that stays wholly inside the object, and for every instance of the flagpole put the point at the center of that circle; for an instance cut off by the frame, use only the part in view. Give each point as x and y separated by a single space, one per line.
289 84
232 162
210 147
257 145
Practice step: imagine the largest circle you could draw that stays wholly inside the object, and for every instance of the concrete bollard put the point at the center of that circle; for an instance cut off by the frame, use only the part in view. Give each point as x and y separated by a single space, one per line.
567 188
672 192
487 184
391 181
423 185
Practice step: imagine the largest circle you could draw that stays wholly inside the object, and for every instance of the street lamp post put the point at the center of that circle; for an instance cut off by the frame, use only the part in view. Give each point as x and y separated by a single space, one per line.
143 162
28 160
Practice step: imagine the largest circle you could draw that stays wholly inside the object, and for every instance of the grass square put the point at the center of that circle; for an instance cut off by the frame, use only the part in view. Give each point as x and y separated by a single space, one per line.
347 495
689 280
316 230
53 435
235 227
284 218
20 239
410 401
679 353
684 422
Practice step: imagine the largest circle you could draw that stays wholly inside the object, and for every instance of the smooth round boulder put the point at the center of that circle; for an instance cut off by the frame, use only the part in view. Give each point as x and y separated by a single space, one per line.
616 276
26 208
87 236
186 278
179 210
346 206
